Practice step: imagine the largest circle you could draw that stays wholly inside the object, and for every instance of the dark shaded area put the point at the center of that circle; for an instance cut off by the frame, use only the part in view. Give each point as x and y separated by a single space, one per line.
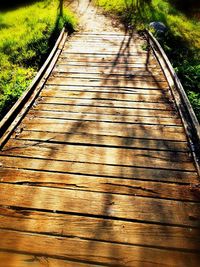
61 7
190 8
134 11
10 5
185 4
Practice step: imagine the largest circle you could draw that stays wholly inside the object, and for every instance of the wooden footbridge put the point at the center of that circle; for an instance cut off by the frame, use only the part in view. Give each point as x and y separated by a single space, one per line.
98 166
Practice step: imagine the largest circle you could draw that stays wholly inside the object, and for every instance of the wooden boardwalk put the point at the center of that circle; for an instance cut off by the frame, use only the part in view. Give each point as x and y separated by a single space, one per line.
100 172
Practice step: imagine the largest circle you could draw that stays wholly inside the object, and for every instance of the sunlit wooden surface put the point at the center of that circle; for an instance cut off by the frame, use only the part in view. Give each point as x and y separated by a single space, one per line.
100 172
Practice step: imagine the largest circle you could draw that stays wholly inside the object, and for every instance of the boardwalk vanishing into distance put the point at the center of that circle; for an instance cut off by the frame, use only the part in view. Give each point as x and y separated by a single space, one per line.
99 170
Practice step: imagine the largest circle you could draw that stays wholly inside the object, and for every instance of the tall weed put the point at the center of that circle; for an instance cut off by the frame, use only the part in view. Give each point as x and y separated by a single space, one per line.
27 34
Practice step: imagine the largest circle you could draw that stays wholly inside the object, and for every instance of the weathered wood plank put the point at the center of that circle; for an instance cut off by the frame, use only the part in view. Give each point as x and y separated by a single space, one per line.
110 76
133 233
134 55
107 110
116 72
100 155
111 73
95 82
105 117
157 189
102 204
107 66
107 103
114 60
93 251
102 49
120 129
104 89
110 96
102 140
98 170
13 259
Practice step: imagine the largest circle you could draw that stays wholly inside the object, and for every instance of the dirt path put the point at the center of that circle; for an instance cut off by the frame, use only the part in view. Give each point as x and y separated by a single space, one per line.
91 18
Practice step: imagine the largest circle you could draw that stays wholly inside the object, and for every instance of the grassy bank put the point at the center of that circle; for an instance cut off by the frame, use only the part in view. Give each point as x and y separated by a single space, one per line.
27 33
182 41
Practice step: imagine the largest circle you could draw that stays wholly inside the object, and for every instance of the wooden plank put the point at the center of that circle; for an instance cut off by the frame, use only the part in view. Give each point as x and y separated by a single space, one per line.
99 170
114 57
107 103
109 37
157 189
106 49
108 96
124 46
101 204
110 62
112 72
98 98
102 89
132 233
13 259
107 110
95 252
102 140
147 59
110 76
105 117
103 155
103 50
106 65
105 128
96 82
109 66
163 93
108 34
100 42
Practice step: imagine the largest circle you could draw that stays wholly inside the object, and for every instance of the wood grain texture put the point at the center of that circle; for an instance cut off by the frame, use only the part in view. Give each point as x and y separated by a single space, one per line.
181 190
101 204
108 103
122 172
105 128
106 118
95 252
100 171
110 110
103 140
106 89
13 259
108 96
101 155
118 231
95 82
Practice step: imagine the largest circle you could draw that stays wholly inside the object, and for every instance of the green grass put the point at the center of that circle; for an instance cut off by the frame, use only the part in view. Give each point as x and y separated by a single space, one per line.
26 36
182 41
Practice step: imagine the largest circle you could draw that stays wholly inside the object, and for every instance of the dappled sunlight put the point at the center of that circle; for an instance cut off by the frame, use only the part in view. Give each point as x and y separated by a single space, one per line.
100 171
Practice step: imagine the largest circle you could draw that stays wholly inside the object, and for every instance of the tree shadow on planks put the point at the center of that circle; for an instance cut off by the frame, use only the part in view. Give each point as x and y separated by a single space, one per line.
173 157
137 136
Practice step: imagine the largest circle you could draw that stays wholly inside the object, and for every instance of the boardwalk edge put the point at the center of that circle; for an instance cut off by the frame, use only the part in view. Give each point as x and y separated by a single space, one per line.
11 120
189 119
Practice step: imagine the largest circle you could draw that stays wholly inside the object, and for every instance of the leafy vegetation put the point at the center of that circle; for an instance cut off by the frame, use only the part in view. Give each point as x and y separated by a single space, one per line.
27 34
181 42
